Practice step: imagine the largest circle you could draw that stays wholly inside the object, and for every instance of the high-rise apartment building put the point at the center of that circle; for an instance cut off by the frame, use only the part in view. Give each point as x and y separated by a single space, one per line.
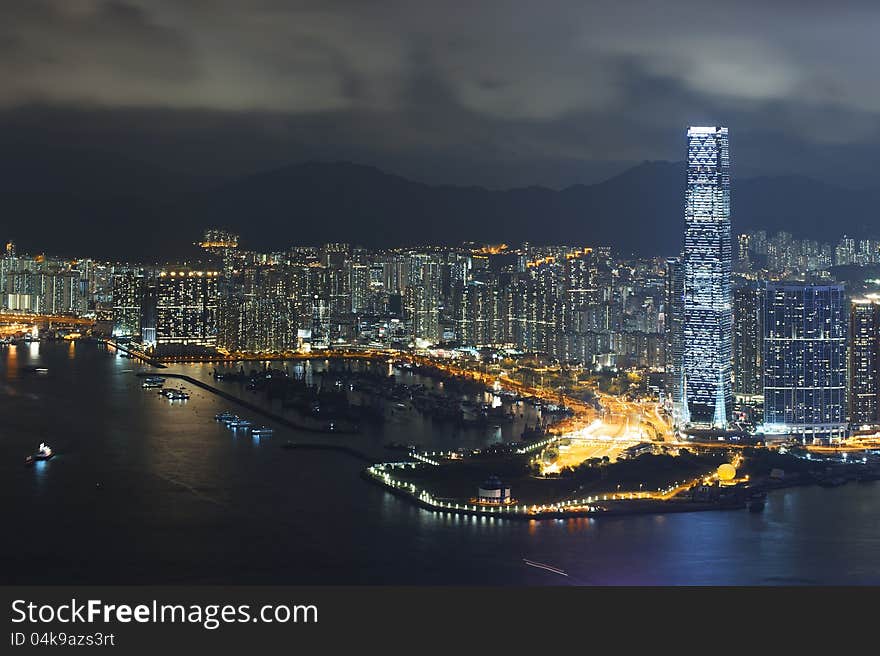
864 361
805 334
186 310
747 333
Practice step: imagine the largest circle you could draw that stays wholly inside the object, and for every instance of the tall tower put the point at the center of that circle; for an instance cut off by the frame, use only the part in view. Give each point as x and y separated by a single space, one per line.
864 361
707 326
673 315
747 335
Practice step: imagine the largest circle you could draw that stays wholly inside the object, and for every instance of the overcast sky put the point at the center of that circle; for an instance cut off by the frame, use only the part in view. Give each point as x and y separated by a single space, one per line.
497 93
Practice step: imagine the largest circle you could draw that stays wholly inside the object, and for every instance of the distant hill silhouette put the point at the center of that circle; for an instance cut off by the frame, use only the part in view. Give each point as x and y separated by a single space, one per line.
640 210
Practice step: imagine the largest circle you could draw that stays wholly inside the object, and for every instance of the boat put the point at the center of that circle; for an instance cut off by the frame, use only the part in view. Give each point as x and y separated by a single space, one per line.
239 423
151 384
262 431
223 416
832 481
288 445
44 453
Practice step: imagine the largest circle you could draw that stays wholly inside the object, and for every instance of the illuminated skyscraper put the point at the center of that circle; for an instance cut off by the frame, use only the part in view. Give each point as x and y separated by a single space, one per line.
805 331
186 310
707 326
864 361
673 314
747 334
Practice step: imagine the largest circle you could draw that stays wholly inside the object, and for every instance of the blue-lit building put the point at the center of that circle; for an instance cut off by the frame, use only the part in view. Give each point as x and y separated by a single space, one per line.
707 318
805 361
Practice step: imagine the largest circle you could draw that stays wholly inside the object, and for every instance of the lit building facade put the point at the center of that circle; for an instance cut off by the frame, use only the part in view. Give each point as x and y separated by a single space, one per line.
864 368
747 333
707 327
186 310
805 361
128 292
673 315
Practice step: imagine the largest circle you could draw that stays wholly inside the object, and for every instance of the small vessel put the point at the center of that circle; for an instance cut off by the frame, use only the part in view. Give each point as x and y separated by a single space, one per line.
44 453
262 431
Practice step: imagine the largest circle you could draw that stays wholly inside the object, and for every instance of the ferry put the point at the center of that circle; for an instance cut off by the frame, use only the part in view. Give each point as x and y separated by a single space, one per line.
262 431
44 453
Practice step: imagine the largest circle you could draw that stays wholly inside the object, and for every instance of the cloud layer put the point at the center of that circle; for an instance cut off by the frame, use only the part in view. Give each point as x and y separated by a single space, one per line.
428 81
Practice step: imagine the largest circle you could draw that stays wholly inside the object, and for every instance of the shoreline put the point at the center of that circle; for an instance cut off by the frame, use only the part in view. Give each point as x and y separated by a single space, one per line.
500 512
638 507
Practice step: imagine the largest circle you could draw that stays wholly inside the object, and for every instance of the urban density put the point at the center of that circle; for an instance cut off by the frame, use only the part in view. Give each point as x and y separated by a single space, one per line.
775 340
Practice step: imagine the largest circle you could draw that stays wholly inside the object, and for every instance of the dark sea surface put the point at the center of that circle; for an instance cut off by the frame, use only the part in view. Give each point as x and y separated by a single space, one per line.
144 491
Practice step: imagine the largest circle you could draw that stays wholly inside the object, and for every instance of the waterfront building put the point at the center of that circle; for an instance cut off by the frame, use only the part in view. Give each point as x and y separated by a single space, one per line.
864 361
186 310
493 491
707 327
804 358
259 313
128 292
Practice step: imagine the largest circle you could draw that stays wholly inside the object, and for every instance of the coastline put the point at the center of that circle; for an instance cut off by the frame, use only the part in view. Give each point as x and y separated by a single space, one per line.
608 508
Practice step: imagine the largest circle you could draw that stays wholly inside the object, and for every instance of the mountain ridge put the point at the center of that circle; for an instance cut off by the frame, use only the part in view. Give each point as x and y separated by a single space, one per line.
639 210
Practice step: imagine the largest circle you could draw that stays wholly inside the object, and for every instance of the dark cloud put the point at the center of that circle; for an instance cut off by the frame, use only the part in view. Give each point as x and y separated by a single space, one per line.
491 92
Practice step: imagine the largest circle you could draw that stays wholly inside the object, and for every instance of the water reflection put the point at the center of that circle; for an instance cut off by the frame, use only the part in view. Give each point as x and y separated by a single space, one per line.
12 362
267 515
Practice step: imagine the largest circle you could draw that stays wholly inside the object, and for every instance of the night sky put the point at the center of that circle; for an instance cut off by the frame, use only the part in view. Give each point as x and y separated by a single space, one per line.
492 93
